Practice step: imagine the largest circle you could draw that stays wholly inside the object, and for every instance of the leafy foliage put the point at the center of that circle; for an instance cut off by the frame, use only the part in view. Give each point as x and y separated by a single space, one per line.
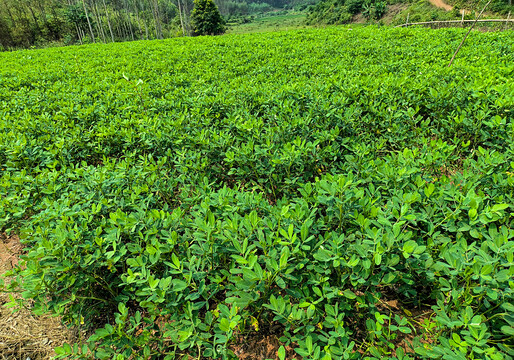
174 202
374 10
498 6
425 11
342 12
333 12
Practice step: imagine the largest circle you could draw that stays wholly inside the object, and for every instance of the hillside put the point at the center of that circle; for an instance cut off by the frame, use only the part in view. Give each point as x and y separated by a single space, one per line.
393 12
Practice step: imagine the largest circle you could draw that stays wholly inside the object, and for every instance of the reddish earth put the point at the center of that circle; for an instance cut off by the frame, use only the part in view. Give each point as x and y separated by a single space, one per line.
10 248
441 4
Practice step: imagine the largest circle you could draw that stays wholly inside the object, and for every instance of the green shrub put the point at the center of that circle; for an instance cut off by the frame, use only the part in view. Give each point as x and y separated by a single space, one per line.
354 6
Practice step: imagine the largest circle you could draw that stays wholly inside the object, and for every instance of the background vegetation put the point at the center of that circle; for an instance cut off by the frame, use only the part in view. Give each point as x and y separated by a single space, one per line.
346 11
43 22
501 7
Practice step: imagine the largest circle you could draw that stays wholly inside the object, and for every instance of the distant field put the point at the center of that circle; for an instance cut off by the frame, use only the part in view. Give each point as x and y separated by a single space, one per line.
318 194
270 23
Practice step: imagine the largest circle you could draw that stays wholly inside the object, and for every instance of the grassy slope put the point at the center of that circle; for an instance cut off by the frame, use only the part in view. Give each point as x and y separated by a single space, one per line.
270 22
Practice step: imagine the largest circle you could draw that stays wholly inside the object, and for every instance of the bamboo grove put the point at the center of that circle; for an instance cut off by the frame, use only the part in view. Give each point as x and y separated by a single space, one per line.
27 23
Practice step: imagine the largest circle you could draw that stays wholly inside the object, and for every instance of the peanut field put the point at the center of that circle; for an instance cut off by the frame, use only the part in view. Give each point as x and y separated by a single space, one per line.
340 190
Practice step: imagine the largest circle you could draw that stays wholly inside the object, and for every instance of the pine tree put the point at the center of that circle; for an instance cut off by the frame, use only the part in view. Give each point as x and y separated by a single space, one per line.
206 18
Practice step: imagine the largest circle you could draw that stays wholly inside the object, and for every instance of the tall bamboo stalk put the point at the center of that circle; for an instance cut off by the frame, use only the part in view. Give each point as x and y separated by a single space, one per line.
108 21
180 16
88 22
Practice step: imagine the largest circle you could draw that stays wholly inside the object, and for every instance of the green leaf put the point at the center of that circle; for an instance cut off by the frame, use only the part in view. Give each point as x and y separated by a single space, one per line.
476 321
456 338
474 233
349 294
366 263
280 282
153 282
284 211
281 353
175 261
224 324
179 285
499 207
323 255
102 354
165 283
284 256
486 269
507 330
122 309
388 278
302 352
405 330
429 189
150 249
508 307
410 246
308 343
378 259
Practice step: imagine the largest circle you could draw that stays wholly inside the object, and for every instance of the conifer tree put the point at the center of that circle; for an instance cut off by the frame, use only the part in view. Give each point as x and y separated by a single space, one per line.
206 18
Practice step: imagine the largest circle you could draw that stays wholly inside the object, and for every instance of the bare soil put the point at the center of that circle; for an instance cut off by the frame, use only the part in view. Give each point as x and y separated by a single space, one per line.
23 335
441 4
262 347
392 11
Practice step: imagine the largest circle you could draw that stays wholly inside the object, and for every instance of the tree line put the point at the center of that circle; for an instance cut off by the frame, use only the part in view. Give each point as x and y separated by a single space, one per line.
26 23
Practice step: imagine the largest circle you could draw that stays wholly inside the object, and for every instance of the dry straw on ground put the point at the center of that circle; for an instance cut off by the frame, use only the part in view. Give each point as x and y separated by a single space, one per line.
23 335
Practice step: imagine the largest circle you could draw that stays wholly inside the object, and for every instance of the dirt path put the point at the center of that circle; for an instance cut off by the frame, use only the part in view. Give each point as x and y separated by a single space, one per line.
441 4
23 335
